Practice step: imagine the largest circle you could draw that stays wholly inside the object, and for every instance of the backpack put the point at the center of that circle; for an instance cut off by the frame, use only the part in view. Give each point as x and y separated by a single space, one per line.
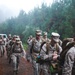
32 49
65 50
62 58
39 60
52 65
17 51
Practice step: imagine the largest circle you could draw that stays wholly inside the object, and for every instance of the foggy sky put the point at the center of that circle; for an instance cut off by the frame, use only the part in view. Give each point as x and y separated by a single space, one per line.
11 8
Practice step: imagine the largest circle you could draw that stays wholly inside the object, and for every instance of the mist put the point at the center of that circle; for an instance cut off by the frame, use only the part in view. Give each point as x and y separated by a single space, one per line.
6 13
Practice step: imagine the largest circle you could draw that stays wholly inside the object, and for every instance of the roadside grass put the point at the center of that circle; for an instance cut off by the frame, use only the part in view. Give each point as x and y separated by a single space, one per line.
25 46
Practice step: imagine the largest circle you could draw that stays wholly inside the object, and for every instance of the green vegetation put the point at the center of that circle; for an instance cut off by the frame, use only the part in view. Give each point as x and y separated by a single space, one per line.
25 46
58 17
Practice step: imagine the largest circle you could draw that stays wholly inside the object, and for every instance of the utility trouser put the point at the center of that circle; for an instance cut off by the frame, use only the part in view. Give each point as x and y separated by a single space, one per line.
35 65
45 69
15 58
2 48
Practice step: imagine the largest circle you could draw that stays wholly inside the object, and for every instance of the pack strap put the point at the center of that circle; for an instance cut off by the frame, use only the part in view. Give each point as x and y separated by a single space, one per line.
41 47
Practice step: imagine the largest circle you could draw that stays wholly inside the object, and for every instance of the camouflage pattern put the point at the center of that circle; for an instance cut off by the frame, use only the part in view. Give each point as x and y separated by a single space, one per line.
49 55
35 53
16 55
69 61
28 54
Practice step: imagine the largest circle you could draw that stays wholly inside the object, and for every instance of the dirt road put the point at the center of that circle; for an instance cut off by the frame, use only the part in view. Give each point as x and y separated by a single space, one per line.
6 68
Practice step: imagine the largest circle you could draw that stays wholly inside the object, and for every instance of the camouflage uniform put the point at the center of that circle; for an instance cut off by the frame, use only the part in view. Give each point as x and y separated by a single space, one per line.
2 46
47 52
69 61
44 56
8 48
35 52
44 38
60 42
28 56
17 52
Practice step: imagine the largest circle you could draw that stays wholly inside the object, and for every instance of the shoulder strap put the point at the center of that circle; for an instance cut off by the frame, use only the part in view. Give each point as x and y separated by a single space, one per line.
21 48
57 48
66 49
31 49
13 47
41 47
47 47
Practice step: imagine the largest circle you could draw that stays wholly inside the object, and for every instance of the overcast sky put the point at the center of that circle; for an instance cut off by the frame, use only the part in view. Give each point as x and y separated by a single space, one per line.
26 5
10 8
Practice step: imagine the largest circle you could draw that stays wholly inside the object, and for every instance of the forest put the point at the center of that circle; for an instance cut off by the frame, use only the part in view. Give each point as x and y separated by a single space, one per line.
57 17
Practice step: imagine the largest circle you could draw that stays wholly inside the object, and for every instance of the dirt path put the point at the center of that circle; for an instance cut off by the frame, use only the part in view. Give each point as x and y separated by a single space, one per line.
6 68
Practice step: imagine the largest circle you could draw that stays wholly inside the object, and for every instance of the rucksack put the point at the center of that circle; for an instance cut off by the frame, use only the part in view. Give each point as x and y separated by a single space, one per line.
63 53
62 58
53 66
32 49
17 51
39 60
